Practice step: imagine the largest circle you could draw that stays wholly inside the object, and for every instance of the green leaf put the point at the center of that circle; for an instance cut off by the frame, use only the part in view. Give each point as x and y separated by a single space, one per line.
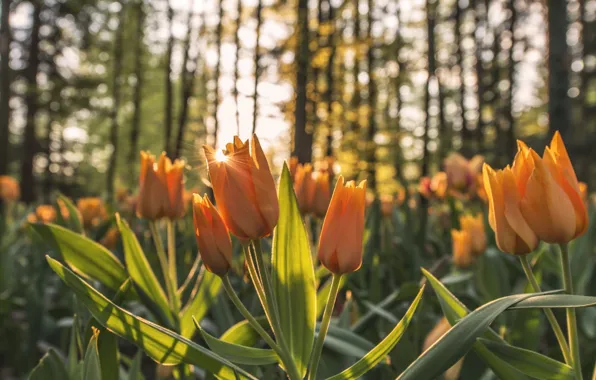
345 342
374 357
237 353
242 332
73 355
161 344
73 221
50 367
454 310
202 297
92 366
134 371
84 256
552 301
529 362
294 276
140 270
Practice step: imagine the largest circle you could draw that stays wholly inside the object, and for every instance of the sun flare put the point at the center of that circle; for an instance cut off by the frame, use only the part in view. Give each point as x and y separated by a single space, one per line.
220 156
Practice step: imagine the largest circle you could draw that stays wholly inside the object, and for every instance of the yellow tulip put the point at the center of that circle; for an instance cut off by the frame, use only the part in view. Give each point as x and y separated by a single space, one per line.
474 225
212 236
340 243
244 188
92 210
10 191
304 187
557 160
544 204
161 191
512 232
322 194
435 334
462 248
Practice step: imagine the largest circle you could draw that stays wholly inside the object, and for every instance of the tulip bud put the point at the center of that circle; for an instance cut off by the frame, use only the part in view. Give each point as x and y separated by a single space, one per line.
10 191
439 185
212 236
244 188
474 226
322 194
45 213
462 248
161 188
556 158
304 187
340 243
512 232
92 210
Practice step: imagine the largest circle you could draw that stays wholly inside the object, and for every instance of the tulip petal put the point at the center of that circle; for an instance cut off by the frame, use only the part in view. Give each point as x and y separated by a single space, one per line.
513 214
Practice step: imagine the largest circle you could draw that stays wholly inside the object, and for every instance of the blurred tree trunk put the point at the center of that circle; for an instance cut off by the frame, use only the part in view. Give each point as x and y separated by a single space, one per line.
117 69
353 143
480 13
329 96
237 43
303 138
168 78
399 159
53 110
5 39
372 103
558 62
219 37
133 155
510 137
257 57
186 84
431 67
30 143
466 133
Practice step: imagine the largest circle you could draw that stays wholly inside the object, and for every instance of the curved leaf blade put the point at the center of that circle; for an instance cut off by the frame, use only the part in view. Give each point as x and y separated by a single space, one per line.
84 256
553 301
237 353
49 367
294 276
92 366
73 221
202 297
162 345
371 359
531 363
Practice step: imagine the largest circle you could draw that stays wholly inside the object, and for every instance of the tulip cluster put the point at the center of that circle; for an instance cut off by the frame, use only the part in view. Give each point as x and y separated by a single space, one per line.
470 241
161 188
537 198
10 191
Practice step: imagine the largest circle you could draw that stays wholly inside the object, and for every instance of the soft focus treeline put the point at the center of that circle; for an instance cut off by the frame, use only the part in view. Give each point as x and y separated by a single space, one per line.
387 87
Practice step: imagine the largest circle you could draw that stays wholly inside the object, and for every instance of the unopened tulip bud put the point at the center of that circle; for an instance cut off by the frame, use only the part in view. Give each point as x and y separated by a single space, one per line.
322 194
244 188
340 243
92 211
474 225
212 236
10 190
304 187
462 248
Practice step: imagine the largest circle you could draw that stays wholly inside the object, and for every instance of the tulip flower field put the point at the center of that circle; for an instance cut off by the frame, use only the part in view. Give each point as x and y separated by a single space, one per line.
478 272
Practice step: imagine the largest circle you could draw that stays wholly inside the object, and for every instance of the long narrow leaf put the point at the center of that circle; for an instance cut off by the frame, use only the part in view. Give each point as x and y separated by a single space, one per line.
163 345
377 354
50 367
92 365
201 300
294 276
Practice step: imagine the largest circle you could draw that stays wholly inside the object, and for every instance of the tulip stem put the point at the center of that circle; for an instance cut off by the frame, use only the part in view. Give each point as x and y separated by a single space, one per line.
571 318
172 253
324 326
252 271
163 263
549 313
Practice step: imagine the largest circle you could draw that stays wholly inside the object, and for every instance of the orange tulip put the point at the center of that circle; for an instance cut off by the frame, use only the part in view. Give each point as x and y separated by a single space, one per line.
110 239
557 160
304 187
92 210
340 243
244 188
322 194
462 248
45 214
439 184
293 165
480 191
544 204
424 187
474 225
10 191
161 188
435 334
512 231
215 245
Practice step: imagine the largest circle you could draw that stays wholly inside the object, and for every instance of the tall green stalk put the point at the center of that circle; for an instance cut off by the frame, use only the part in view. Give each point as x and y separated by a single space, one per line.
549 313
318 347
572 334
163 263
